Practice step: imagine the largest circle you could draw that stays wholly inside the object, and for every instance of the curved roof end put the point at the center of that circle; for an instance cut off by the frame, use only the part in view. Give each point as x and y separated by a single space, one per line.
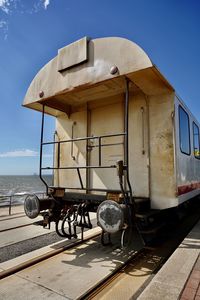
85 63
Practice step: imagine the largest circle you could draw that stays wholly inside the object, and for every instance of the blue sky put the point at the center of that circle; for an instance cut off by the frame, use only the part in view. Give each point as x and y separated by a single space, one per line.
31 32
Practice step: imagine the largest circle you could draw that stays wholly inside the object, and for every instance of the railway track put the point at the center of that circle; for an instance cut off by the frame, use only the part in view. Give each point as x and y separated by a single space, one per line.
10 223
20 226
40 258
128 281
83 261
20 215
25 238
90 242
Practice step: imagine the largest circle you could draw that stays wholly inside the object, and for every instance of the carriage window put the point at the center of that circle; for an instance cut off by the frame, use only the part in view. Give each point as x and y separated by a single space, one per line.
184 131
196 140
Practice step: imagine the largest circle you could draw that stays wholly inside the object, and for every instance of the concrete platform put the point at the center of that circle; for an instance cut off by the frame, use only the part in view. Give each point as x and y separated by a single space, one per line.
169 283
192 287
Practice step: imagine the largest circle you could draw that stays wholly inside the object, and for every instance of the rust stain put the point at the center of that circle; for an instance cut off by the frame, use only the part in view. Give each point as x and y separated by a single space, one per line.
164 150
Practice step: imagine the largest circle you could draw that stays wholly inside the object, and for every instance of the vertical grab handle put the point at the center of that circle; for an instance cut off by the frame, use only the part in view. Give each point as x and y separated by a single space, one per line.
143 133
72 143
99 151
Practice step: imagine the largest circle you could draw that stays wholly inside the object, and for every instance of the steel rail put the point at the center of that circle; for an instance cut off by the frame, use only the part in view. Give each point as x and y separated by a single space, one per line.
96 289
182 229
158 255
142 256
16 227
19 215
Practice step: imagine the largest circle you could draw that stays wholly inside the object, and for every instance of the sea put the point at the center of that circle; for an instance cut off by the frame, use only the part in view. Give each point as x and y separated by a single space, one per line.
19 186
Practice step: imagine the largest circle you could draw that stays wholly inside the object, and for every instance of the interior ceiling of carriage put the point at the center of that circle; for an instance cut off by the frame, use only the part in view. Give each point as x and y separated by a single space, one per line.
96 95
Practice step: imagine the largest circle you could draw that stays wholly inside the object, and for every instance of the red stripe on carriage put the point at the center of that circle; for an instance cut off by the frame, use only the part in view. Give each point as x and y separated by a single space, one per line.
183 189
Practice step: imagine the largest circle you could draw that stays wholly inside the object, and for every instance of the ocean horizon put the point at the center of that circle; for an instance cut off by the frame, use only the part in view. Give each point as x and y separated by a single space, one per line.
21 184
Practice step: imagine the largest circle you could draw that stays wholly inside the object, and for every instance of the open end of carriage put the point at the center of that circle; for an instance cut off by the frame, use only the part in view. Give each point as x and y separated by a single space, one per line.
87 87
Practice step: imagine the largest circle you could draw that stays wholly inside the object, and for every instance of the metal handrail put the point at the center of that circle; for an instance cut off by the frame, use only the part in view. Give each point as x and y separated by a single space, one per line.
85 139
78 168
126 184
10 197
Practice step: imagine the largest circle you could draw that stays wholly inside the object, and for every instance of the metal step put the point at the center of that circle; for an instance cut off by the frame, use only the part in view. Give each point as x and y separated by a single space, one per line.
148 214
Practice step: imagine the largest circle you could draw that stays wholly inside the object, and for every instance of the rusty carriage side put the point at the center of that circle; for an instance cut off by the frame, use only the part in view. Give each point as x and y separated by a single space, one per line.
114 142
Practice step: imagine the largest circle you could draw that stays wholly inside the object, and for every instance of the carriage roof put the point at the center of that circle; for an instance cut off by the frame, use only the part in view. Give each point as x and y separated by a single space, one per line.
88 70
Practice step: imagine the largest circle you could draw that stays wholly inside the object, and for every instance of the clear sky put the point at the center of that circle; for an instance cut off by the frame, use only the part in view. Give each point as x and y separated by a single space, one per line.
31 32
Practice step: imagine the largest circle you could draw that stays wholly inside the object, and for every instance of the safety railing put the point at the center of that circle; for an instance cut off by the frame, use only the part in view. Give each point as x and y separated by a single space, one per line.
8 200
89 147
125 134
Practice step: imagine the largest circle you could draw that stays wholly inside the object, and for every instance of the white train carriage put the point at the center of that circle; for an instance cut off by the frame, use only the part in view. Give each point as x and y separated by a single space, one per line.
114 110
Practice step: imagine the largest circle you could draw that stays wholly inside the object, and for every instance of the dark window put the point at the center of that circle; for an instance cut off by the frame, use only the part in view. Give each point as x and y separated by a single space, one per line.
196 140
184 131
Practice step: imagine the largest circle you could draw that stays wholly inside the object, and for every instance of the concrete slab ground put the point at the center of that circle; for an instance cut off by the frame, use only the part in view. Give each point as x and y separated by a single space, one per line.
26 290
15 210
28 232
21 234
170 281
6 224
44 250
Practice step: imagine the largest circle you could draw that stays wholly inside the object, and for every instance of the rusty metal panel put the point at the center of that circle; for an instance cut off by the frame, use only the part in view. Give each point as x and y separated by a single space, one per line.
72 54
162 162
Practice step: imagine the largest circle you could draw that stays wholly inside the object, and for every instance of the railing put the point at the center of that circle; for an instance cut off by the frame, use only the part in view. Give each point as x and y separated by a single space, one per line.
88 148
125 134
8 199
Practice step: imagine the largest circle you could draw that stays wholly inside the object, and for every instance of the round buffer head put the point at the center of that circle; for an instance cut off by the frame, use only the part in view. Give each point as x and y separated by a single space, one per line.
110 216
32 206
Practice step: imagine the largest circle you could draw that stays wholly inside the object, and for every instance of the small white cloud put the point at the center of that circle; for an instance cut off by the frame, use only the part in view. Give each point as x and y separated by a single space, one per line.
11 6
4 5
20 153
46 3
3 24
8 6
4 28
24 153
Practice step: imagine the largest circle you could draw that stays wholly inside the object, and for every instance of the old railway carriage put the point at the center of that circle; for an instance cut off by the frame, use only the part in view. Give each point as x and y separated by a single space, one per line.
125 145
